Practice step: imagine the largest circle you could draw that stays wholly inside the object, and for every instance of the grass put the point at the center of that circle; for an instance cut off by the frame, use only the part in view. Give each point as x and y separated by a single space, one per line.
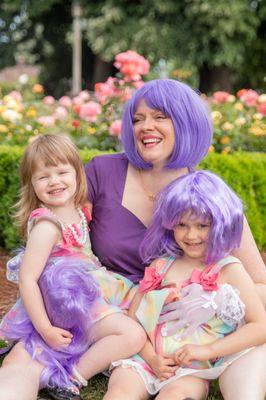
97 386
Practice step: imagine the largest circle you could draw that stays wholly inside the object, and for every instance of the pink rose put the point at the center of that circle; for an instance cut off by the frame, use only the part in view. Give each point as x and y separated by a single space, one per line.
16 95
89 111
262 108
65 101
48 120
115 128
84 95
104 91
250 97
48 100
132 65
152 280
220 97
60 113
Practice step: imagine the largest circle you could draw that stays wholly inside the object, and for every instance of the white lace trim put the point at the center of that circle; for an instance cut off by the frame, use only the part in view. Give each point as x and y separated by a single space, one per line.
232 309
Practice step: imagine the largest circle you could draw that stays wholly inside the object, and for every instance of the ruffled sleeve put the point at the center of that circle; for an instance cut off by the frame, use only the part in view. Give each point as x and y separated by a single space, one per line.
42 213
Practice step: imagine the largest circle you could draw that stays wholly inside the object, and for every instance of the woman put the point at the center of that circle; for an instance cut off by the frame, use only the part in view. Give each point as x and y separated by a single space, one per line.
166 132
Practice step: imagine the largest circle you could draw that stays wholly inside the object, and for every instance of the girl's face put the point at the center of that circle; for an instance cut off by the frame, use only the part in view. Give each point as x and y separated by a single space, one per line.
154 133
191 234
55 186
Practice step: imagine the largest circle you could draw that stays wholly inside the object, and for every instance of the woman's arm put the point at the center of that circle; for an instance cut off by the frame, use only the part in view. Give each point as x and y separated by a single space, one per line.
40 242
250 257
251 334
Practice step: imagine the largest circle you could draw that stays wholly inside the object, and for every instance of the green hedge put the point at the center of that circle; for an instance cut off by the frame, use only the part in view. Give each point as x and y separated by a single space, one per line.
244 172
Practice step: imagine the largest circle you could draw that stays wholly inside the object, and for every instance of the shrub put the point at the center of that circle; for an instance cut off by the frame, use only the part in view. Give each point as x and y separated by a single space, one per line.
244 172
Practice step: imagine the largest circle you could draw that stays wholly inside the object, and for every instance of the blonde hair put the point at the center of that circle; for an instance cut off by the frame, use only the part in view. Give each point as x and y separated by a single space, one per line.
51 150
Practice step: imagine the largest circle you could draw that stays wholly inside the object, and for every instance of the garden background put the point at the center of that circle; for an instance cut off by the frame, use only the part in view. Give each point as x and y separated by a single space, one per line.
215 46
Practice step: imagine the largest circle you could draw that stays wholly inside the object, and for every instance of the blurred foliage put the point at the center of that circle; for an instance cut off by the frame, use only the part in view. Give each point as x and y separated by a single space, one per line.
193 35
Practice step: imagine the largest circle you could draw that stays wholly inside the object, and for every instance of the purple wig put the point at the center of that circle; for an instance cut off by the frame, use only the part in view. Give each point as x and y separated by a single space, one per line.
205 196
190 117
69 293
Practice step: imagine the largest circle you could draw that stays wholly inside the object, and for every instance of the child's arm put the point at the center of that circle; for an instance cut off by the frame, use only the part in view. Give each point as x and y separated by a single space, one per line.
253 333
40 242
163 366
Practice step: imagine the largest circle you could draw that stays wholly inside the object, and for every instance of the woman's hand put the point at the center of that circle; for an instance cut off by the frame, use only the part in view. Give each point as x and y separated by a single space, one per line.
189 352
163 366
57 337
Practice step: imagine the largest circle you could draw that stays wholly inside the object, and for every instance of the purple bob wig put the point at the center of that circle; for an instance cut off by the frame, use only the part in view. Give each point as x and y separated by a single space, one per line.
69 293
206 196
190 117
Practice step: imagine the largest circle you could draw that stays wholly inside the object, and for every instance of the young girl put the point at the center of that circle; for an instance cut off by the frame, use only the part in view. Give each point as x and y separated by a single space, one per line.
196 302
68 300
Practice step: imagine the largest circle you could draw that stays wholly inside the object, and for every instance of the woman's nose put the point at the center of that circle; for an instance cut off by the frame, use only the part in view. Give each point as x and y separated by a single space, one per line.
148 124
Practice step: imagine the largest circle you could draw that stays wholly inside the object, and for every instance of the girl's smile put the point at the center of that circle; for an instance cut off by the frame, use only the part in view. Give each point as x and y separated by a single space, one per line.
55 186
191 234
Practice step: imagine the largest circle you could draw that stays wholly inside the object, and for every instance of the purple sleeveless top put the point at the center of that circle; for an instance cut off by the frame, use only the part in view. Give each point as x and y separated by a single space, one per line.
115 232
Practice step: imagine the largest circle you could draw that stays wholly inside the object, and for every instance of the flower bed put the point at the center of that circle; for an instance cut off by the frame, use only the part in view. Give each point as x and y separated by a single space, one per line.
94 119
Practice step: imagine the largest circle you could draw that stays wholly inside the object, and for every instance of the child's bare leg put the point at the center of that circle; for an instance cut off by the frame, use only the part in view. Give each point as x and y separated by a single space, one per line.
116 336
245 379
126 384
187 386
19 376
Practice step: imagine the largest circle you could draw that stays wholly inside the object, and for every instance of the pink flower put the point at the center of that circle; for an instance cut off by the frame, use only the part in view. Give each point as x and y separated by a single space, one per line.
89 111
132 65
262 108
205 279
78 100
152 280
84 95
250 97
48 100
138 84
115 128
60 113
16 95
220 97
48 120
65 101
105 91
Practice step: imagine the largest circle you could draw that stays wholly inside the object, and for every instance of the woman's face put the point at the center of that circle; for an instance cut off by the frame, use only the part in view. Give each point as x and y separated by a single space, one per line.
155 136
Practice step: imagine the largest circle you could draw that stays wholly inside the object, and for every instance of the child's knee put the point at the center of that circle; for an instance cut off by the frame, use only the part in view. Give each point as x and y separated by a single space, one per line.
137 338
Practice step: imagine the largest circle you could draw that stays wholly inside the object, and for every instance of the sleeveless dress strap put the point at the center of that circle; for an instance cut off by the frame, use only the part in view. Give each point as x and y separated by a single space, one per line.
223 262
168 264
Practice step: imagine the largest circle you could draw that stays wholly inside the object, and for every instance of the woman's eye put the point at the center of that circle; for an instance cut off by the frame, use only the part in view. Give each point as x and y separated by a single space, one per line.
203 226
181 225
160 116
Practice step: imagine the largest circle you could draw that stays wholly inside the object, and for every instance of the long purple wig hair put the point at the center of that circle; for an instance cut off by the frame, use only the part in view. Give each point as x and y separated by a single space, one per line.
190 117
69 293
206 196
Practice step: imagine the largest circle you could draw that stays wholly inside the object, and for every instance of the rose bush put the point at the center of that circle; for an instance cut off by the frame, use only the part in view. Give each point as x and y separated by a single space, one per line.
94 119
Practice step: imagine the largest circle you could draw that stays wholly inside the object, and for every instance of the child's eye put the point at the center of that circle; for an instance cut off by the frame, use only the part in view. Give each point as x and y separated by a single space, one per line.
63 172
43 177
203 226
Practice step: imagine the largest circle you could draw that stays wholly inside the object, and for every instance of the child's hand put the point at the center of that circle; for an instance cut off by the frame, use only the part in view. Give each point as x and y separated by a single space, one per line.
163 366
57 337
189 352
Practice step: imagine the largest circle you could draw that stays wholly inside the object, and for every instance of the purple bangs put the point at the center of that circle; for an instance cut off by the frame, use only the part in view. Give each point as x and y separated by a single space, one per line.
206 196
190 117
